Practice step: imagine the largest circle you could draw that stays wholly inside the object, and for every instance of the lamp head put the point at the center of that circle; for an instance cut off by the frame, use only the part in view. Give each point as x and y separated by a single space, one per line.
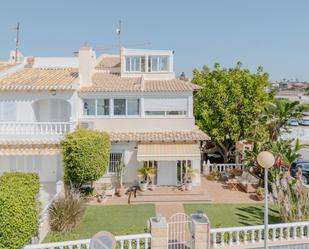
265 159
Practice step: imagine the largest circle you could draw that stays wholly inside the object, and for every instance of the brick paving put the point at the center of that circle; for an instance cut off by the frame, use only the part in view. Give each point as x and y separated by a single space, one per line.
208 192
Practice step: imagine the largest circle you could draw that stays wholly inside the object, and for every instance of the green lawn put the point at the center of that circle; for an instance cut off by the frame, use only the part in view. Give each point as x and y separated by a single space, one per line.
123 219
229 215
119 220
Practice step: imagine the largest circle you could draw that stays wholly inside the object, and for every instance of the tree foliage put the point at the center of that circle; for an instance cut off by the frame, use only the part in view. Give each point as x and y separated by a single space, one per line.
85 156
277 113
19 209
229 103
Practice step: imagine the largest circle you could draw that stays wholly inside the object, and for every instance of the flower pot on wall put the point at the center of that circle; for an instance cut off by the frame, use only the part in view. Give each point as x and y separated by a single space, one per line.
189 186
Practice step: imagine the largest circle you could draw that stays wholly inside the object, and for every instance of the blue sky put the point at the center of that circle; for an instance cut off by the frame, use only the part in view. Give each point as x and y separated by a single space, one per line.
274 34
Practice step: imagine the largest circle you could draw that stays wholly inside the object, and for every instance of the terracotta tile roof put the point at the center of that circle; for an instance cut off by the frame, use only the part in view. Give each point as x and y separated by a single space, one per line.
39 79
169 136
4 65
107 62
104 82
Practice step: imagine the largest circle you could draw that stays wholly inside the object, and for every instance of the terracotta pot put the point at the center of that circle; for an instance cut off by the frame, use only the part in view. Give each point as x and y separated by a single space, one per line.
121 191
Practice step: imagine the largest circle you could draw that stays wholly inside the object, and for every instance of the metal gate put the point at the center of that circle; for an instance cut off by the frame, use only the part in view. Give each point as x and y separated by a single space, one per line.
179 232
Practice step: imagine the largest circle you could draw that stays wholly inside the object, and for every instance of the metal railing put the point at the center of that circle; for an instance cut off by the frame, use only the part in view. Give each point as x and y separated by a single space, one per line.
231 236
134 241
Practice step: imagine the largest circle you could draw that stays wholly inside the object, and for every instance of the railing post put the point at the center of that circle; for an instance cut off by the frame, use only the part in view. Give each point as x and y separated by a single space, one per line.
159 233
201 231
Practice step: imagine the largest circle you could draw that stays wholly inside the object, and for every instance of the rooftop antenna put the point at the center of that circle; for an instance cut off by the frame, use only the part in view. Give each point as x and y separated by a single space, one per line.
118 31
17 41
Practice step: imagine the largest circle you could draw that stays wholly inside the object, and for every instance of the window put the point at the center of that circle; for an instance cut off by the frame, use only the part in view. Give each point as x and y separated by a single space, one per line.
135 64
165 106
89 107
133 106
96 107
114 162
119 107
157 63
102 107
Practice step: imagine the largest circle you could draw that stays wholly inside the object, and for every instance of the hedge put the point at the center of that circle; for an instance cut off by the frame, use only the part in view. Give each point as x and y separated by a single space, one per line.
19 209
85 156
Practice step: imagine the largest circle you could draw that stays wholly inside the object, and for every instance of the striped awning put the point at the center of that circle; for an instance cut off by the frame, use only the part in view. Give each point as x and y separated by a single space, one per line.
168 152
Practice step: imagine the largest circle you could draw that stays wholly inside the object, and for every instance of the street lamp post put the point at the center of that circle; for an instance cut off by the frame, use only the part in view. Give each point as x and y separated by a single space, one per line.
266 160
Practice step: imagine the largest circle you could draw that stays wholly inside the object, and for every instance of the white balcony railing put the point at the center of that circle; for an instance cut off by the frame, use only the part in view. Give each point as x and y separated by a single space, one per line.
134 241
236 236
221 167
26 129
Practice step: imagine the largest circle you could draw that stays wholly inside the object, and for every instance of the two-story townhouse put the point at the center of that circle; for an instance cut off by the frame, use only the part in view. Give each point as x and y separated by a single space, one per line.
134 96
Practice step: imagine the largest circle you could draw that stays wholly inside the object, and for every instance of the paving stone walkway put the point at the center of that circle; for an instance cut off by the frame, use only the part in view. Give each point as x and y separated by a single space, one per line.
168 209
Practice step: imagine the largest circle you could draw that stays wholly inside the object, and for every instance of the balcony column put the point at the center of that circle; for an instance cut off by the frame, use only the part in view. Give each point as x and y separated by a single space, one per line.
142 111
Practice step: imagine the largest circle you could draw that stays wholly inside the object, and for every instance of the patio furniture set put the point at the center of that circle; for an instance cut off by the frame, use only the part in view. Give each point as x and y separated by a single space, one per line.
244 180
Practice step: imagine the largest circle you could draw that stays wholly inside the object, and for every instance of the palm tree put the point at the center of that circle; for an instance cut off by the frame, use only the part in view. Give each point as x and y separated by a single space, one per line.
277 113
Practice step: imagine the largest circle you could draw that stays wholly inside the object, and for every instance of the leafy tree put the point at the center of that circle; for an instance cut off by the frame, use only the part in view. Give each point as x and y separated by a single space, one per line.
277 113
229 103
85 156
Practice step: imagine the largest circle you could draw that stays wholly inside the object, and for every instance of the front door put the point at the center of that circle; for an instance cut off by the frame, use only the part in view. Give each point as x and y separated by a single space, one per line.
167 173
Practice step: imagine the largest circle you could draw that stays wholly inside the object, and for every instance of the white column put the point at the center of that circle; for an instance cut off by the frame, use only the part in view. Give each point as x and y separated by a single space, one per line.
111 107
190 106
142 114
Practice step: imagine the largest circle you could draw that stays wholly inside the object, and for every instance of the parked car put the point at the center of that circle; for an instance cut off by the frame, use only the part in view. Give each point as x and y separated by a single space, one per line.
305 121
292 122
304 166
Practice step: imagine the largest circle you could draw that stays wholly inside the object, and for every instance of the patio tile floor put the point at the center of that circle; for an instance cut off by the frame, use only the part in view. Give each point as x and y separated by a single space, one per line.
208 192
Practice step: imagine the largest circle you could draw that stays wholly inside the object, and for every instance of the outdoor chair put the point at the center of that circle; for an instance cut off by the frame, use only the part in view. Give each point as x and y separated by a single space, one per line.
248 182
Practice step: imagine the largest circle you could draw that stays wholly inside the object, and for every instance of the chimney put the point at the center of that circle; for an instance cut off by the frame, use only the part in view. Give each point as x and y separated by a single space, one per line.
86 60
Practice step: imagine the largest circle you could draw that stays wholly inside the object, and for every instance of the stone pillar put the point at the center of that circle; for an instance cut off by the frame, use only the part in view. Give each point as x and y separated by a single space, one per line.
158 229
201 231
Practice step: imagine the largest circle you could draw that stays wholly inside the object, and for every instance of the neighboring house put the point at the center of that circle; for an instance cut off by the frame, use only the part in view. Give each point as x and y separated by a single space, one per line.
135 97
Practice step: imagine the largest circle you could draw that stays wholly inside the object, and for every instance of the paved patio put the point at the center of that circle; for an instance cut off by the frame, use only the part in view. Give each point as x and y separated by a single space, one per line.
208 192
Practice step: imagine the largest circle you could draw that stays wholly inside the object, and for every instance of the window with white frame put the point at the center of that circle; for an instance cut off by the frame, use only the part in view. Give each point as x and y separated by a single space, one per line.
128 107
7 111
165 106
133 106
119 107
114 162
135 64
96 107
157 63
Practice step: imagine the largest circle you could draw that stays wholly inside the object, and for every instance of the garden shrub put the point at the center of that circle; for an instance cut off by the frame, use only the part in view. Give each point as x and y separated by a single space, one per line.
66 212
19 209
85 156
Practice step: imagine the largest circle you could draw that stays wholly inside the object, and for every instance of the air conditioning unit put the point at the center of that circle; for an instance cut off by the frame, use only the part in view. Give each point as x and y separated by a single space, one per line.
86 125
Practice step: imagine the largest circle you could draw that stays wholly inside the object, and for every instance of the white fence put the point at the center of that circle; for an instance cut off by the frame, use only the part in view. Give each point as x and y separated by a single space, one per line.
35 128
207 168
231 236
135 241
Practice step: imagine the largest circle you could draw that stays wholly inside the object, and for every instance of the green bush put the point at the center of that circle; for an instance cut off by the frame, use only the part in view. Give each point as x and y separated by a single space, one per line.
19 209
85 156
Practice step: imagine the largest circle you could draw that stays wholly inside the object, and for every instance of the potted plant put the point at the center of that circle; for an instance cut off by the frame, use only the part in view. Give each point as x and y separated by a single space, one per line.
190 173
260 193
152 175
121 190
144 174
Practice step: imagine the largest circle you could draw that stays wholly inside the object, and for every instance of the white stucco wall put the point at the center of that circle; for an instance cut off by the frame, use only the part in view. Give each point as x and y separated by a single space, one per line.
49 167
25 111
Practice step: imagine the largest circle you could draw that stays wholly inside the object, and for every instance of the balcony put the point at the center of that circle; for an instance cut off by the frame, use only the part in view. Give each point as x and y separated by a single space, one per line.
34 130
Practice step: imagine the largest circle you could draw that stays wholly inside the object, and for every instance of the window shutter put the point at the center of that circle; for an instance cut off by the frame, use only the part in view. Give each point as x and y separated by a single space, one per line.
165 104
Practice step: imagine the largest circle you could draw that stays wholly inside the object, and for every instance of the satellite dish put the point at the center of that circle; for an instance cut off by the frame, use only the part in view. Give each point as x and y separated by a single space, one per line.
103 240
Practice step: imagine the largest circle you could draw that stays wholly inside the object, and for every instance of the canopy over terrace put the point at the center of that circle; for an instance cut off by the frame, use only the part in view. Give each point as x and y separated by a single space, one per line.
168 152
